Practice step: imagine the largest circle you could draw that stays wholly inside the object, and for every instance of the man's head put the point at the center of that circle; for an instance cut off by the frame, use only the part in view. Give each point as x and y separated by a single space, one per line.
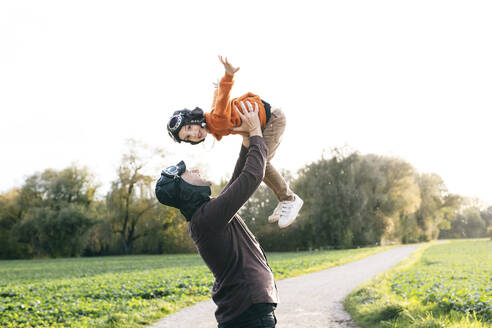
183 189
187 126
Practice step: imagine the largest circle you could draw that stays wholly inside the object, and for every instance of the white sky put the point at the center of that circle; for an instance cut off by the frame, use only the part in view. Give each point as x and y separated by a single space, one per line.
411 79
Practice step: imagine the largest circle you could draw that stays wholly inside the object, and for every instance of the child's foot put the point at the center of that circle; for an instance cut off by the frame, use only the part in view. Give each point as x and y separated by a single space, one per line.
289 211
276 213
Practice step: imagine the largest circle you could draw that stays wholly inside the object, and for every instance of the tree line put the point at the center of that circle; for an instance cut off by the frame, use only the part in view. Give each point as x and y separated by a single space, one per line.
350 200
353 200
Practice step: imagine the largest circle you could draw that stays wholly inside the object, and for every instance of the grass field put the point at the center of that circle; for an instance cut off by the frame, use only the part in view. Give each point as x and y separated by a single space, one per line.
443 285
128 291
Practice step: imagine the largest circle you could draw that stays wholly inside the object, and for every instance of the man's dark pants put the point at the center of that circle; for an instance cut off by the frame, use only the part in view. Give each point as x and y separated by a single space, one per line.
259 315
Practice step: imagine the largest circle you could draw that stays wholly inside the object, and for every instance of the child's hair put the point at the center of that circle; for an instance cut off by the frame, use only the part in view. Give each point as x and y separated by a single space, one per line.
184 117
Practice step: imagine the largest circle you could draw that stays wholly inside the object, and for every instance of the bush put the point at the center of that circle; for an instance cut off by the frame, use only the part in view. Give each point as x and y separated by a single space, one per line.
55 233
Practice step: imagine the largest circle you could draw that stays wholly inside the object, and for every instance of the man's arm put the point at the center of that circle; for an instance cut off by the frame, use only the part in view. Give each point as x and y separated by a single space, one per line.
221 210
243 129
239 166
248 173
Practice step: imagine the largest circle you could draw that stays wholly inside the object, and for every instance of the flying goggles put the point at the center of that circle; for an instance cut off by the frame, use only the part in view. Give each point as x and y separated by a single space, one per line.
175 171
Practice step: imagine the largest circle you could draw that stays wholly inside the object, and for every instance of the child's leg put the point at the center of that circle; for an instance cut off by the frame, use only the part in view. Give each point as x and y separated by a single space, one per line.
272 134
277 184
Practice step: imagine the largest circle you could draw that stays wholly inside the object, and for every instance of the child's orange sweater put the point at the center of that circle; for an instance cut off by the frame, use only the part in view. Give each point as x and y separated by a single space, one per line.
222 118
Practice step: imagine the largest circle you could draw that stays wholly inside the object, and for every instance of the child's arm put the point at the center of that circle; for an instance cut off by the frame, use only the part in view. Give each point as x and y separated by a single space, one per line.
221 106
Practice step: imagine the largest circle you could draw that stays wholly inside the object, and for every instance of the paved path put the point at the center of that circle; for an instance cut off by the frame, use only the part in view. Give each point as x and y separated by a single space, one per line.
313 300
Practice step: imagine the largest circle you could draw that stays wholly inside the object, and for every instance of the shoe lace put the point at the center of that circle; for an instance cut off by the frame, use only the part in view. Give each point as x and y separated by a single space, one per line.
286 206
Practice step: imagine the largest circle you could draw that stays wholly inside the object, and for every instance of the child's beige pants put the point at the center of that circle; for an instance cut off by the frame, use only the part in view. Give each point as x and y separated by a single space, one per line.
272 133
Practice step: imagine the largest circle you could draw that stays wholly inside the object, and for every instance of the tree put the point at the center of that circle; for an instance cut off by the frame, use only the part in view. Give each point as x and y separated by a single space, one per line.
392 196
487 216
99 238
10 215
475 226
333 201
55 232
467 223
131 201
173 236
434 207
54 211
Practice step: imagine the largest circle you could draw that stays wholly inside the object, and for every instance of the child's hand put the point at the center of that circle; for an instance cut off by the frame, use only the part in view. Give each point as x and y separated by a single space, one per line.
250 121
229 69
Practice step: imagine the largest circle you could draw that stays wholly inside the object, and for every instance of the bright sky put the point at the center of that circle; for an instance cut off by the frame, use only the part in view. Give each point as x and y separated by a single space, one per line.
411 79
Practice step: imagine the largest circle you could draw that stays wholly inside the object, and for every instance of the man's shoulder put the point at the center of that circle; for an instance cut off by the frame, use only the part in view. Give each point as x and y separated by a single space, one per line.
204 215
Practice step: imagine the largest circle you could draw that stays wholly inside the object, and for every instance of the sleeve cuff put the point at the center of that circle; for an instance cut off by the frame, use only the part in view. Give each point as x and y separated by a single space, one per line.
256 140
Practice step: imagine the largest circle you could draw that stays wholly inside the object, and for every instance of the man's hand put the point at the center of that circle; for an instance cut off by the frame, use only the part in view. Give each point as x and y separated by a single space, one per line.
250 121
229 69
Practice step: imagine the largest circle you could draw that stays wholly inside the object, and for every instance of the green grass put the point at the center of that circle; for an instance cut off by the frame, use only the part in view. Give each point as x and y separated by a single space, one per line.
441 285
126 291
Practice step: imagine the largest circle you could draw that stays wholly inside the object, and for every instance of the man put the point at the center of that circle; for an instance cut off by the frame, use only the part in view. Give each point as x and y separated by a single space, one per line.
244 290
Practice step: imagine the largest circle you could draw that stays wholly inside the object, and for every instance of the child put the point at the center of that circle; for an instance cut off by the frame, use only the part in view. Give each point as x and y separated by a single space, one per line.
193 126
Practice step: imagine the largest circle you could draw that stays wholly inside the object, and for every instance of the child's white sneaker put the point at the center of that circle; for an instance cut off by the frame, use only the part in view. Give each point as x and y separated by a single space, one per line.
290 211
276 213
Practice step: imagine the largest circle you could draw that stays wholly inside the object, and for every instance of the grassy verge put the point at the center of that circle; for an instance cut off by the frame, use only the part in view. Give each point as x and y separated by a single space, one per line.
440 285
127 291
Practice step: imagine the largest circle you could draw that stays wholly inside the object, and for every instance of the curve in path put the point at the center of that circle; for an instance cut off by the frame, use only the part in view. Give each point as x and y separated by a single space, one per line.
313 300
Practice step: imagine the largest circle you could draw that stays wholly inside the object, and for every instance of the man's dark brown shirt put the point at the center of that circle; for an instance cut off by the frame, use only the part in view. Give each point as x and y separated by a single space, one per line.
230 250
